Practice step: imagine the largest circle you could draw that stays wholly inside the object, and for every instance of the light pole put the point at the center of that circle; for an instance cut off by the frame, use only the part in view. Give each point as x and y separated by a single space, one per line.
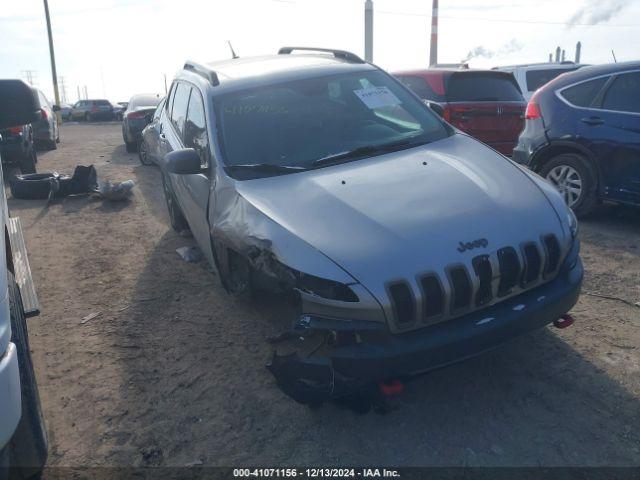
53 57
433 52
368 30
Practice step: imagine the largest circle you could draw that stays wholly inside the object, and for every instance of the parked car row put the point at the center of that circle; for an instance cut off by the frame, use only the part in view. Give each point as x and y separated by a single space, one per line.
581 124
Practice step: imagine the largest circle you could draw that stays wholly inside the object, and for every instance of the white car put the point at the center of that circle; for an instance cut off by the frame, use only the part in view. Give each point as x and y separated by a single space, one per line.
531 77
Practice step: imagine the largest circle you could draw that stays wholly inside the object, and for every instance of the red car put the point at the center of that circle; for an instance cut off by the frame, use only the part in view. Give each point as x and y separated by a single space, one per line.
486 104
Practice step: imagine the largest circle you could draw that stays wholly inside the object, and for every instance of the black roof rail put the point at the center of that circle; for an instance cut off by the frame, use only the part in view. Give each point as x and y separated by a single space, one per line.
203 71
343 54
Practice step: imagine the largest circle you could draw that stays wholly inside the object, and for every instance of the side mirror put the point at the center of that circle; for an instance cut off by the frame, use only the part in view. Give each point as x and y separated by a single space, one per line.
19 104
183 162
56 108
436 107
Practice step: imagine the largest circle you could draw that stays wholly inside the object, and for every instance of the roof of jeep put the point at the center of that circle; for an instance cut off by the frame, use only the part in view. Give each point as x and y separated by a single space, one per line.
247 72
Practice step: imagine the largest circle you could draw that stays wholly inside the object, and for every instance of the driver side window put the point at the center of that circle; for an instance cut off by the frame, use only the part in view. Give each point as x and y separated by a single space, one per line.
195 130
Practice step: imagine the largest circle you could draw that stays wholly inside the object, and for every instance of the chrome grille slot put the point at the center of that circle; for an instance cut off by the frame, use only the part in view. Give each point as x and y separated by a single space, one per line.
433 296
482 269
509 270
532 263
403 302
552 247
460 287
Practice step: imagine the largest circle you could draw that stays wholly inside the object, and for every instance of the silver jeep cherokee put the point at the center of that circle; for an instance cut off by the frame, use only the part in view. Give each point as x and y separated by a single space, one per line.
408 245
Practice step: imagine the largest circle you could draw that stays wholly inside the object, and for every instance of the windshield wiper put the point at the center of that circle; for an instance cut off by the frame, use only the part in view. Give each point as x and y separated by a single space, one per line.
369 150
266 167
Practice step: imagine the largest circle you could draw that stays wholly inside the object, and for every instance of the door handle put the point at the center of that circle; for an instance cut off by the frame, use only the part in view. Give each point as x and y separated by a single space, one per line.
593 121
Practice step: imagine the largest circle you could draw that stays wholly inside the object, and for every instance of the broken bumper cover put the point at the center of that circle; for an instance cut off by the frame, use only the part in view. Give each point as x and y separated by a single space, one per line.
347 368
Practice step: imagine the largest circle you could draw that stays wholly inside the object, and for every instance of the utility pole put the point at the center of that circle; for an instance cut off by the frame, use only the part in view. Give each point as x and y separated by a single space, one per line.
433 51
54 75
31 76
368 30
63 90
78 88
86 95
578 52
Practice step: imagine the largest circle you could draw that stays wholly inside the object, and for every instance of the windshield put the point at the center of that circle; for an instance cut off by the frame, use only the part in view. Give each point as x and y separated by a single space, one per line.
297 123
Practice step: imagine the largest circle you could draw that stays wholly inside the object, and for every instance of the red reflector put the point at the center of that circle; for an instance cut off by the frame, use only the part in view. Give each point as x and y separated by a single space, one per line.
533 111
564 321
136 115
390 388
447 114
44 114
16 130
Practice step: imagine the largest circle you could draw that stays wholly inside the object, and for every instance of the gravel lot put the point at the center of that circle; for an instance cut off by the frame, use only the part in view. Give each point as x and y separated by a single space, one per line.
172 370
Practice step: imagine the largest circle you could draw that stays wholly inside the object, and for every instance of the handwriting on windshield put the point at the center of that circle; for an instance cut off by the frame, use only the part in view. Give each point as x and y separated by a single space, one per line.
255 109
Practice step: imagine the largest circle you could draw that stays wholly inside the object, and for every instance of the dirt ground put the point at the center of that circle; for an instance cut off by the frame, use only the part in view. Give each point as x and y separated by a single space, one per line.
172 372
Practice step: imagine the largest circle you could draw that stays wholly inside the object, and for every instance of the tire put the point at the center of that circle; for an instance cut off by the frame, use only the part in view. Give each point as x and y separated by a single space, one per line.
31 186
143 153
51 145
28 446
28 165
131 147
178 222
572 175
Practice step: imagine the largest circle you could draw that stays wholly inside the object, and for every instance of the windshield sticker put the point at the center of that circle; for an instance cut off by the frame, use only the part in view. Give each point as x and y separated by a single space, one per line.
376 97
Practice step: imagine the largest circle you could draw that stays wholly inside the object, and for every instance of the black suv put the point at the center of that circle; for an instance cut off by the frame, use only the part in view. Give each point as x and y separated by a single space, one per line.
582 133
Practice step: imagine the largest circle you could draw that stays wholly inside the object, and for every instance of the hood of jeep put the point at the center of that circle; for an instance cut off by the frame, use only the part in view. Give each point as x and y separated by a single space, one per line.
397 215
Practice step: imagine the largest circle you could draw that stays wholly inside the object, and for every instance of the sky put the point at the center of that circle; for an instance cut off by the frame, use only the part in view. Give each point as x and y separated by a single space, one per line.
117 48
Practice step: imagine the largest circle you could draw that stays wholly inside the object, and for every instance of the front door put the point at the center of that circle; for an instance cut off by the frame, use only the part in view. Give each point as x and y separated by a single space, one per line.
196 188
188 130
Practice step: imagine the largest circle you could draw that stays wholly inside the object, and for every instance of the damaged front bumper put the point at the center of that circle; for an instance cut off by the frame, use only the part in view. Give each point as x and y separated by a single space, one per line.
344 369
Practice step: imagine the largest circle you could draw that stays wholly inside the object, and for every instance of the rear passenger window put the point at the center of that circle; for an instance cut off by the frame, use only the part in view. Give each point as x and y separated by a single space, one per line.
582 94
624 94
195 131
538 78
179 110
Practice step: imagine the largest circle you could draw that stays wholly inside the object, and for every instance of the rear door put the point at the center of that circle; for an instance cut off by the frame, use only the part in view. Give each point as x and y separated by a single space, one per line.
153 131
488 106
612 128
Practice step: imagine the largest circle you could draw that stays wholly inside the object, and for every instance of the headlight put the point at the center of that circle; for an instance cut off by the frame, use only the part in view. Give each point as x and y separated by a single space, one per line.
573 223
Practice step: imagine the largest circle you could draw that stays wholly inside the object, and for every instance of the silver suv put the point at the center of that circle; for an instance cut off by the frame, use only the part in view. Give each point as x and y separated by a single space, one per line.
406 244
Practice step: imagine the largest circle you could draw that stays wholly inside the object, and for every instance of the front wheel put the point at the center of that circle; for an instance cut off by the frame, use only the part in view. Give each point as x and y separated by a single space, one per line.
178 222
573 178
143 153
28 164
130 146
